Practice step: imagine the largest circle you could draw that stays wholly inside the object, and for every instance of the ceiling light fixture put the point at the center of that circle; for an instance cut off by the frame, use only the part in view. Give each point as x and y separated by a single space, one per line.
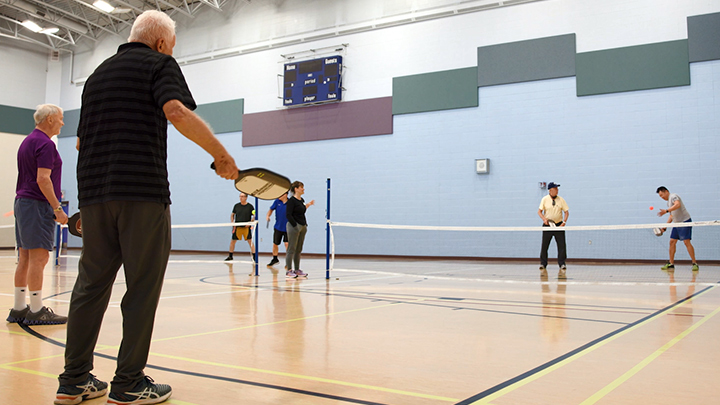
51 30
31 25
104 6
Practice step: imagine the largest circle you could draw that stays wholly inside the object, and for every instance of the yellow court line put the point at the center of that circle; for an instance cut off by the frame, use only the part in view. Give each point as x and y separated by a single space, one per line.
280 322
623 378
15 332
33 372
486 400
305 377
54 377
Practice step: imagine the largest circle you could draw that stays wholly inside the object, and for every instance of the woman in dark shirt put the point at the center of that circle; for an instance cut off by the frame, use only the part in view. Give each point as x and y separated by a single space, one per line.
296 229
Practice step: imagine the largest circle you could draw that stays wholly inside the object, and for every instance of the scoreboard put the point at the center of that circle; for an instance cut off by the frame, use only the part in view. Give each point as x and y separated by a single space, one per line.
313 81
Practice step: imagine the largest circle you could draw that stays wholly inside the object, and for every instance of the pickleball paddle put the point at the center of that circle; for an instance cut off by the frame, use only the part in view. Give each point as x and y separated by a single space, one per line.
75 225
261 183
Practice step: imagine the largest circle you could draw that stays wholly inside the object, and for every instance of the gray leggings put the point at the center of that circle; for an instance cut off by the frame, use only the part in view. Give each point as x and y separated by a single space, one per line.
296 238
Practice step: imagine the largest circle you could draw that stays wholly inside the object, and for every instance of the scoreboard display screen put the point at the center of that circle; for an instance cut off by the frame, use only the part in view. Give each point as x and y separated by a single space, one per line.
313 81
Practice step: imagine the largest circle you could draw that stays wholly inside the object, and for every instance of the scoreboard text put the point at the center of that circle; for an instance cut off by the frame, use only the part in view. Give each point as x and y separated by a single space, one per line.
313 81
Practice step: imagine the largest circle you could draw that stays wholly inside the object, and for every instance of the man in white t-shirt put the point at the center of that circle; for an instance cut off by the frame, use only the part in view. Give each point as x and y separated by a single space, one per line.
677 213
554 212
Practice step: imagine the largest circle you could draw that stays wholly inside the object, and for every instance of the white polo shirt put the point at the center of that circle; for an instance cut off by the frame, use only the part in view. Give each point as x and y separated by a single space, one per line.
553 212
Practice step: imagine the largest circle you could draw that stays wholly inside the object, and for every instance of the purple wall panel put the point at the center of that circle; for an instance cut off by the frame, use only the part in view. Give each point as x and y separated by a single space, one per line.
331 121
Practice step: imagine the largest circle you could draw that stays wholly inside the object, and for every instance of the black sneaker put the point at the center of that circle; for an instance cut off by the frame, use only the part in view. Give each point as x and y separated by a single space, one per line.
229 258
145 392
18 316
274 261
44 316
70 394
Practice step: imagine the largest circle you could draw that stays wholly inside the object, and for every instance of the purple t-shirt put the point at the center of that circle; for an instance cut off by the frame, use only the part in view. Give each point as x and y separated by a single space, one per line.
37 150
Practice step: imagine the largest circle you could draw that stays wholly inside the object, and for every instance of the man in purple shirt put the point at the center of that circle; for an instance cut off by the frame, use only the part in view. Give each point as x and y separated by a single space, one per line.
37 208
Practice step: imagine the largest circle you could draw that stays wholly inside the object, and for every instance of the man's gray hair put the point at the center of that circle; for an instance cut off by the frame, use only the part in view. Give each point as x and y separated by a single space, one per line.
45 110
150 26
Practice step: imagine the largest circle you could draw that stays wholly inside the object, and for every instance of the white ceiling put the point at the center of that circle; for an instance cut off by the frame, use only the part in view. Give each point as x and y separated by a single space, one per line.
80 23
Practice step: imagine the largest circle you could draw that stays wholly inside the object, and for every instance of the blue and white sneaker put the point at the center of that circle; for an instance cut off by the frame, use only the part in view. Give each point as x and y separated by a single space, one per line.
145 392
71 394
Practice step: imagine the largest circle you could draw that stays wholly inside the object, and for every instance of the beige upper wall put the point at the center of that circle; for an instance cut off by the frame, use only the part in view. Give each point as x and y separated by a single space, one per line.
8 156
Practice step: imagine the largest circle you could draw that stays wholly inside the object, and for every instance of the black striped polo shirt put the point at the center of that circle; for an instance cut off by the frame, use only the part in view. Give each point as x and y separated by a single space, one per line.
122 128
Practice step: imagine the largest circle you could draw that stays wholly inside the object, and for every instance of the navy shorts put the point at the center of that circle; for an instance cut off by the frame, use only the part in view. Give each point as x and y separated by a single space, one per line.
34 224
682 233
279 236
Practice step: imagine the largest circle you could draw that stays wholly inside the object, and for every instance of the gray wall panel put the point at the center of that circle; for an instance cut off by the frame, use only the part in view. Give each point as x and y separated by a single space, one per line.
704 37
15 120
71 119
331 121
524 61
224 116
641 67
435 91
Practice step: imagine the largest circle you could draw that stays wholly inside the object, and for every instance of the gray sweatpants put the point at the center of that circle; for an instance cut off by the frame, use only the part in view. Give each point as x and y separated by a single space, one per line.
296 239
135 235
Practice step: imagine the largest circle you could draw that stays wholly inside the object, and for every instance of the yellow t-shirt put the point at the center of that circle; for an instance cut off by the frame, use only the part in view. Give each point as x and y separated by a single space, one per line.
552 212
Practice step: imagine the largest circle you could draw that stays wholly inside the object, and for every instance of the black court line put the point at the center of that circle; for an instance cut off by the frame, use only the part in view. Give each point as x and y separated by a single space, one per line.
40 336
550 363
337 292
370 297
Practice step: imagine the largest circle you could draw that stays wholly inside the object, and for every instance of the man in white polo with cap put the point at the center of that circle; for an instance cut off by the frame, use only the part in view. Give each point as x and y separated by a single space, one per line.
554 213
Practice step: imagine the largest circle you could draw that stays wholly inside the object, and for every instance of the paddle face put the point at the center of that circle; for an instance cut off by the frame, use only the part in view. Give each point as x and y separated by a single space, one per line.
261 183
75 225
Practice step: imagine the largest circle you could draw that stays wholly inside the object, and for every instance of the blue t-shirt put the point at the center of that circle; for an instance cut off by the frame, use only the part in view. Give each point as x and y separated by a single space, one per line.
280 217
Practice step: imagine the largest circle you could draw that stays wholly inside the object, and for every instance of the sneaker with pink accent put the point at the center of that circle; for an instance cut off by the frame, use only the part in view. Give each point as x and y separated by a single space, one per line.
300 273
290 274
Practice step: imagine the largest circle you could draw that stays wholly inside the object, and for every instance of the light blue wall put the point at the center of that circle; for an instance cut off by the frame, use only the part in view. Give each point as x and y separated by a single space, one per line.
609 153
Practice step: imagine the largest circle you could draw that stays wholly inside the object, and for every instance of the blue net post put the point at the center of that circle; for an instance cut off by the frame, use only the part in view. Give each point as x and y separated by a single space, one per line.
327 234
257 241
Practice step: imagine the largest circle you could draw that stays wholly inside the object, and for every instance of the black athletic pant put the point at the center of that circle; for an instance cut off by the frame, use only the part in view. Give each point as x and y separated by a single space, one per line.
559 240
135 235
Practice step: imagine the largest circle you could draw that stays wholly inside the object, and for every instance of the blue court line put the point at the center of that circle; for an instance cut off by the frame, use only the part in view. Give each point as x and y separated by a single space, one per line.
40 336
550 363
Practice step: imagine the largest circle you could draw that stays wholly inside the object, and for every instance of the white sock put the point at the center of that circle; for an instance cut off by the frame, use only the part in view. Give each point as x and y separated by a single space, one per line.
20 299
36 301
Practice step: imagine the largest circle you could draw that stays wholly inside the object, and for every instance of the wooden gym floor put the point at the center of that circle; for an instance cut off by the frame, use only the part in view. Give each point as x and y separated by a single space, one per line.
398 332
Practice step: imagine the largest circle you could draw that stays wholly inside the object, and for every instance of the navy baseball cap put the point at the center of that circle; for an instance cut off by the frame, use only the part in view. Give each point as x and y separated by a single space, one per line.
553 185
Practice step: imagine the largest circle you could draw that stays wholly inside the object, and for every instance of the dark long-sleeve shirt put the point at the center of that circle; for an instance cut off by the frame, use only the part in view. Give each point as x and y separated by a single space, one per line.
295 211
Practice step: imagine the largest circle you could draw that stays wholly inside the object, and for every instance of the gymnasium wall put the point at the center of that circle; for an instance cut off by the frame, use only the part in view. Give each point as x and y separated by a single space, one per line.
609 151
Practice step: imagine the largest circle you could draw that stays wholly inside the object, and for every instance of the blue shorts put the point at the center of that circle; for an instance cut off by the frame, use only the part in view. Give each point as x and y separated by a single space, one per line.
682 233
34 224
